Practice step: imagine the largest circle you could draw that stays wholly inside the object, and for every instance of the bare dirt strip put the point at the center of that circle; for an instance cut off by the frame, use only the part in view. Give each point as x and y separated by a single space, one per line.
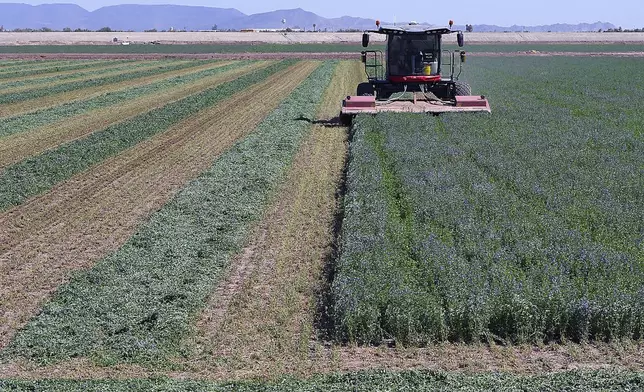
92 214
16 147
32 105
279 56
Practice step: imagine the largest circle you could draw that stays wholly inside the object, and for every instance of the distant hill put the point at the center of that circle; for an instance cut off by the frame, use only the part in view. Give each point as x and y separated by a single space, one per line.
164 17
556 28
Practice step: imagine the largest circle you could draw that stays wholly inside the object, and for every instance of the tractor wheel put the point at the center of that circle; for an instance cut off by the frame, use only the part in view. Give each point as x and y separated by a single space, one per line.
462 88
365 89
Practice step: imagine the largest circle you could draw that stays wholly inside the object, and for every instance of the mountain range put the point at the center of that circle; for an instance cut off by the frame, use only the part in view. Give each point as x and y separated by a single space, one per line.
164 17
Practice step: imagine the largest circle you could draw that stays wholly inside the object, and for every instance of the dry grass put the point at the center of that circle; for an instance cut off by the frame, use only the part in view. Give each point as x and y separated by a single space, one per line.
19 146
92 214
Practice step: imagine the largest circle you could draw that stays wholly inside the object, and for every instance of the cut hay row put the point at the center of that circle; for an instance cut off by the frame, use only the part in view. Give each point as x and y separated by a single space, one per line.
58 115
41 99
70 67
17 147
134 72
147 294
14 65
29 83
93 213
38 174
266 307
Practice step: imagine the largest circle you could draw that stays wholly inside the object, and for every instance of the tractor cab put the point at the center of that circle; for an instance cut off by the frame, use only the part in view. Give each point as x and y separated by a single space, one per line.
416 74
414 59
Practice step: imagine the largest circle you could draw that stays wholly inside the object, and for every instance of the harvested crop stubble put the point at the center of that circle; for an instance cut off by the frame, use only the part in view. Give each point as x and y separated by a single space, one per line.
20 146
40 99
523 226
266 307
57 115
72 66
13 65
38 174
135 71
31 83
130 186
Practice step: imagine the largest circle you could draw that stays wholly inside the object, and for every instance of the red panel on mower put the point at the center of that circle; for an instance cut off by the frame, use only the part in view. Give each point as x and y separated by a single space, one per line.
360 102
473 101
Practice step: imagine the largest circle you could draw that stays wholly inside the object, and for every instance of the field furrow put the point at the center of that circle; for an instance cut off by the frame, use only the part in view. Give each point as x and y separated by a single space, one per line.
94 213
20 146
83 90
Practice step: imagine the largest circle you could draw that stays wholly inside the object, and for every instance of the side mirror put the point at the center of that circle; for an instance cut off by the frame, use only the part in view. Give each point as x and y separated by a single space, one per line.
365 40
460 39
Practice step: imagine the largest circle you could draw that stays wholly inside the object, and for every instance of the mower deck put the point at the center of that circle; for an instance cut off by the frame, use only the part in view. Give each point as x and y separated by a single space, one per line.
369 105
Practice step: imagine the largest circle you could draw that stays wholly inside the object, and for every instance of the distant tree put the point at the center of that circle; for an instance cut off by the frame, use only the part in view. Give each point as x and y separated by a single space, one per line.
469 28
150 31
1 28
46 30
104 30
214 27
314 26
67 29
600 30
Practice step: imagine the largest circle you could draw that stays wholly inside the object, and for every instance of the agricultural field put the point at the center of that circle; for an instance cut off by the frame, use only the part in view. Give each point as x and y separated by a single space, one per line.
184 224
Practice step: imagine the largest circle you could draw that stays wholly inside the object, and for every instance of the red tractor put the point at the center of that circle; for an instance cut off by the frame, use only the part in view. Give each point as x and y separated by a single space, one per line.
417 75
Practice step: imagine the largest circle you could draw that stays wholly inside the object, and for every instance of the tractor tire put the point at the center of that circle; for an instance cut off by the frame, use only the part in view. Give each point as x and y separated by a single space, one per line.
365 89
462 88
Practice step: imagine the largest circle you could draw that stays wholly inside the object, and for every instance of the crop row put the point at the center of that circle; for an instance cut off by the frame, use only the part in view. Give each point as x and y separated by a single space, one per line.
38 174
522 226
143 298
99 81
28 82
28 121
71 66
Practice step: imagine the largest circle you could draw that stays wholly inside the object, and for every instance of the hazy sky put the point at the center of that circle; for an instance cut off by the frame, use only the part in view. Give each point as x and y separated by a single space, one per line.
625 13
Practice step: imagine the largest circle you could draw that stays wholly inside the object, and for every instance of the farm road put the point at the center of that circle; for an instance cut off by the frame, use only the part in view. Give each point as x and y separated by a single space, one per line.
83 219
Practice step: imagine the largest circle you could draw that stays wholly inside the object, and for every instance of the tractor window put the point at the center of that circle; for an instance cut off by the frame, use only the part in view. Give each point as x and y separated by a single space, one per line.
410 55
